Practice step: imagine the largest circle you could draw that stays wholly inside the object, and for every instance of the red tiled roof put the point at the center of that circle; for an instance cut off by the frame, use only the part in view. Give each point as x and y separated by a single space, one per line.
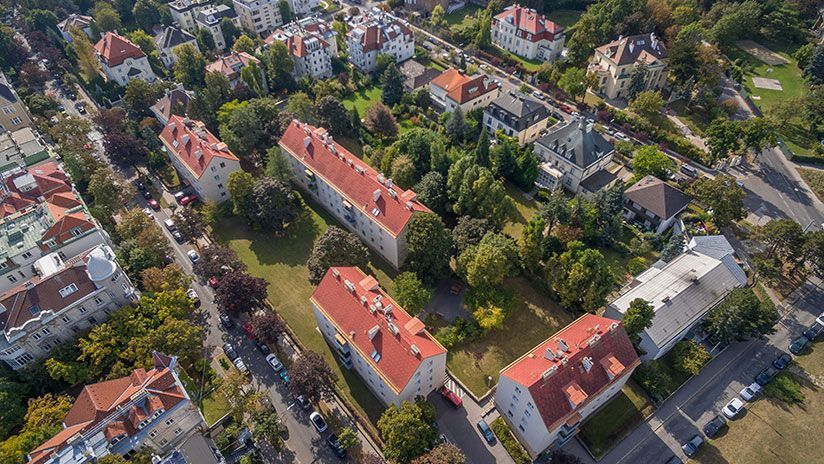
375 33
114 49
355 321
462 88
528 21
192 143
556 384
62 229
364 189
298 45
231 64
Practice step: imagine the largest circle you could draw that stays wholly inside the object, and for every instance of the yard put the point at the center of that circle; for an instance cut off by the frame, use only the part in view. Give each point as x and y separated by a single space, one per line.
565 18
617 418
363 99
525 206
281 260
458 16
213 405
815 179
534 318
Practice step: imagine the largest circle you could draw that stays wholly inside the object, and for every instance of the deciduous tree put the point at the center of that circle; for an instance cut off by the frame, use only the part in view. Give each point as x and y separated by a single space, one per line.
573 82
740 316
238 291
649 160
217 261
487 264
445 453
531 246
403 171
189 67
723 195
429 246
469 231
333 116
431 192
190 224
408 431
638 318
380 121
171 277
312 377
268 326
474 191
336 247
275 204
581 278
647 103
410 293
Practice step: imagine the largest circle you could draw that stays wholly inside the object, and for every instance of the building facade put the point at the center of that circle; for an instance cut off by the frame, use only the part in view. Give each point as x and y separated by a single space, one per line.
169 40
258 17
616 63
200 157
232 63
654 204
390 350
185 12
363 200
453 89
146 409
526 33
14 115
121 60
547 393
377 33
209 18
80 22
303 7
311 43
517 116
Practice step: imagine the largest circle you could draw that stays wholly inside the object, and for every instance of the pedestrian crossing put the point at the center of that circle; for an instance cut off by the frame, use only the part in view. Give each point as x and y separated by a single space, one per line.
454 386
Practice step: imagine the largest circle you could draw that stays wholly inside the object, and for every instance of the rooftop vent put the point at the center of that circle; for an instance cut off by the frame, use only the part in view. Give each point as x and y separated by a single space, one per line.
587 363
306 141
549 354
374 331
349 286
336 273
376 195
562 345
415 350
393 328
550 371
613 326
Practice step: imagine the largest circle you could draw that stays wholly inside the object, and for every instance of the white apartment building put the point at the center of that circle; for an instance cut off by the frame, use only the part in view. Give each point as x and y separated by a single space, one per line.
258 16
528 34
548 392
303 7
200 157
310 51
209 18
378 33
454 89
615 63
184 12
146 409
121 60
363 200
390 350
64 299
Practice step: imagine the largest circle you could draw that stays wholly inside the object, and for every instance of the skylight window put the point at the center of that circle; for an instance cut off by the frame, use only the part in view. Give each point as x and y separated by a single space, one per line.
68 290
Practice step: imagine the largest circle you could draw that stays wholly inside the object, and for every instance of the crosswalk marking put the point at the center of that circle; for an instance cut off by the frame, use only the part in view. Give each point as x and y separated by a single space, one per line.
452 385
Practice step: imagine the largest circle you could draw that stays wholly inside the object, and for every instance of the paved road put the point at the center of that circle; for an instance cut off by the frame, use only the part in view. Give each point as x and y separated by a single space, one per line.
701 398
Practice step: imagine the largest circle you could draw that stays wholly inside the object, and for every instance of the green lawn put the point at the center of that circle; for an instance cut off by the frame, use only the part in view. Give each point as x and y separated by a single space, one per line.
565 18
617 418
525 209
815 179
533 318
529 65
281 260
697 121
363 99
457 17
213 406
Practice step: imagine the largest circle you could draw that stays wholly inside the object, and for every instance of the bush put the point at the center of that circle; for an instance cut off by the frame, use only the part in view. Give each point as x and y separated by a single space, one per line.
785 387
637 265
655 379
689 357
477 297
511 445
460 331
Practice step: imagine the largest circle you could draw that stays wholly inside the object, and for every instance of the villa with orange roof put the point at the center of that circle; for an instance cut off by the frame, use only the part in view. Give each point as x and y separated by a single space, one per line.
232 63
378 33
528 34
121 60
548 392
200 157
394 354
615 63
365 201
146 409
453 89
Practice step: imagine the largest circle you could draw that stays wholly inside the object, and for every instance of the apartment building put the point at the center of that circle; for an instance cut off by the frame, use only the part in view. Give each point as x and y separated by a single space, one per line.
65 298
231 64
146 409
526 33
363 200
200 157
312 44
378 33
169 40
75 21
258 16
303 7
427 6
453 89
185 12
209 18
121 60
517 116
14 115
389 349
616 62
20 148
548 392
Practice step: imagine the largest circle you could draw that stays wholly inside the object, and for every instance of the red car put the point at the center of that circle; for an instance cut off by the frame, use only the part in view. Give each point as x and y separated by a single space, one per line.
213 282
154 205
250 331
451 396
186 200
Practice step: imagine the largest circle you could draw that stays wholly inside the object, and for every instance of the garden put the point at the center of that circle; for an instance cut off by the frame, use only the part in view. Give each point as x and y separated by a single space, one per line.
616 419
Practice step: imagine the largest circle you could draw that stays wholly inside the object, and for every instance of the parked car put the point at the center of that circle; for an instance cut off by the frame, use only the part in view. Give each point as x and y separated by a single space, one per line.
80 107
146 194
538 95
689 170
147 212
733 408
782 361
334 443
764 377
273 361
250 331
451 397
179 196
674 460
486 431
192 294
186 200
750 392
798 345
622 137
178 237
284 375
154 205
691 447
170 224
241 366
303 403
230 351
814 331
193 256
225 320
714 426
262 347
318 421
213 282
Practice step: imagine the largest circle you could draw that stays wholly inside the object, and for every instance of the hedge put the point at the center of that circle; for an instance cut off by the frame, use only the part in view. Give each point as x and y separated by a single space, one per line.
511 444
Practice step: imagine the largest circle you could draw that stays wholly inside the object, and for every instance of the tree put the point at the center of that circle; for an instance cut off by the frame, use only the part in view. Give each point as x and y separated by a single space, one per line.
113 459
246 44
469 231
104 190
403 171
124 150
723 138
217 261
380 121
12 395
268 426
445 453
268 326
275 204
146 14
475 192
637 81
647 103
650 161
105 17
230 31
241 184
172 336
581 278
814 252
392 90
814 72
572 82
205 40
238 291
784 239
333 116
456 126
490 262
558 456
438 18
252 76
42 421
410 293
279 66
723 195
638 318
188 69
489 316
482 149
531 245
689 357
312 378
348 437
431 192
140 95
383 61
740 316
483 38
429 246
336 247
171 277
673 248
41 20
407 431
758 134
190 224
285 11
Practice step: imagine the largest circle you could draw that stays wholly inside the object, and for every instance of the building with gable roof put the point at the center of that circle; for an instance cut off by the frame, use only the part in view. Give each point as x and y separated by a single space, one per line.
174 101
72 21
517 116
232 63
391 351
548 392
146 409
616 62
66 297
453 89
200 157
184 12
121 60
167 41
654 204
526 33
14 115
312 43
378 33
366 202
209 18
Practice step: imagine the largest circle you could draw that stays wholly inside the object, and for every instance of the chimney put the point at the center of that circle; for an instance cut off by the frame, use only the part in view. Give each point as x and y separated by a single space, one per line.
549 354
587 363
376 195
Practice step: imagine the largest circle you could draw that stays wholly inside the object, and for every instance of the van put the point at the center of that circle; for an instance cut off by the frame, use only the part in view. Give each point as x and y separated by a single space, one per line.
169 224
689 170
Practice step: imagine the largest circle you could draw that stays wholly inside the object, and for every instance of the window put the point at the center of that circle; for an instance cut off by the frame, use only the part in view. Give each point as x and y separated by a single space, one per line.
82 309
169 422
36 336
8 109
214 169
217 177
77 232
16 121
98 300
46 331
521 427
223 165
24 359
153 434
164 442
66 319
12 279
178 431
68 290
26 255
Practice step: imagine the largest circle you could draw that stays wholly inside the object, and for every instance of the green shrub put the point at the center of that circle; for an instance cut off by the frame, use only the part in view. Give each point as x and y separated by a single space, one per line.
477 297
655 379
689 357
637 265
460 331
785 387
510 443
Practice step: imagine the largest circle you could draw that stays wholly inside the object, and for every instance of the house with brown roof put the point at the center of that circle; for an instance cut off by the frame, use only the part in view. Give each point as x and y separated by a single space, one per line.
199 157
526 33
121 60
232 63
169 40
174 101
146 409
394 354
378 33
453 89
546 394
65 298
615 63
654 204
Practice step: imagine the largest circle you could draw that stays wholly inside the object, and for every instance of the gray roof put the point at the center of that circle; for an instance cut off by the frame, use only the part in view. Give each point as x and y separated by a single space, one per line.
213 15
7 94
716 246
657 196
172 37
598 180
577 142
519 105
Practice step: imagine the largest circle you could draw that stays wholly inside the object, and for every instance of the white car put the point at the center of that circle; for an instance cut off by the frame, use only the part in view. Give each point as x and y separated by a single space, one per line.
192 294
241 366
318 421
273 361
750 392
733 408
622 137
820 319
147 212
193 256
